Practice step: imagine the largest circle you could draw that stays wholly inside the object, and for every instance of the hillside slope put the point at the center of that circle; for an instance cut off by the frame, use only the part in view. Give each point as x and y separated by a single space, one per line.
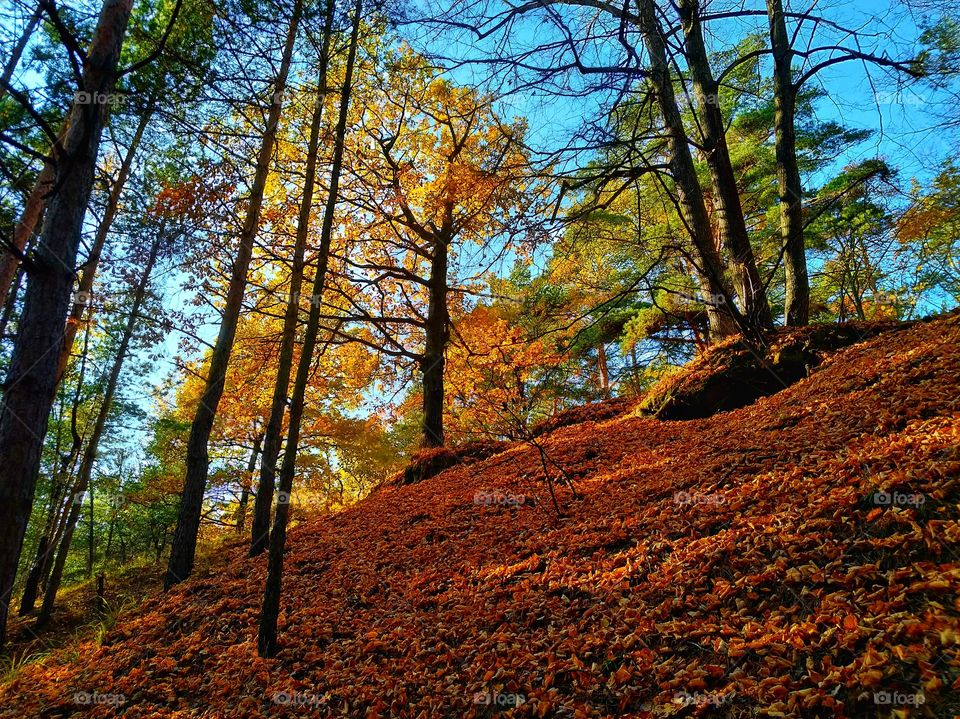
738 565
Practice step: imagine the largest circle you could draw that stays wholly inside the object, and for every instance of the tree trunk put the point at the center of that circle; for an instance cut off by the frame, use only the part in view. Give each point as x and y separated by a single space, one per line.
65 497
267 634
60 527
788 171
260 529
32 374
36 200
730 220
101 592
58 486
17 52
432 361
248 480
93 443
30 216
115 505
90 540
85 285
603 369
693 210
184 545
32 587
11 301
110 530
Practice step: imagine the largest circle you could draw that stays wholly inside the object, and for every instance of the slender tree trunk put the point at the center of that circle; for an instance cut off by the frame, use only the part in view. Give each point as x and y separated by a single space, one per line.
65 497
30 216
85 285
32 375
159 541
17 52
93 443
110 530
603 369
59 528
184 545
115 505
241 516
263 502
730 220
32 213
101 594
11 301
693 210
267 634
29 597
788 170
90 546
60 561
33 209
433 359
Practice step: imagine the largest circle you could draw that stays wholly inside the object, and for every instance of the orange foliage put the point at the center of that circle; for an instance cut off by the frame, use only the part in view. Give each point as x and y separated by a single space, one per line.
492 369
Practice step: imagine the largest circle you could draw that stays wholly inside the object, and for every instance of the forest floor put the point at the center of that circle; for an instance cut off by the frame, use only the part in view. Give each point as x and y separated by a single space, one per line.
78 618
794 557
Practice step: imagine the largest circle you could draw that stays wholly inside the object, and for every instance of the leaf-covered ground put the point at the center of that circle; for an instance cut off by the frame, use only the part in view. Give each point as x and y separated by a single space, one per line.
740 565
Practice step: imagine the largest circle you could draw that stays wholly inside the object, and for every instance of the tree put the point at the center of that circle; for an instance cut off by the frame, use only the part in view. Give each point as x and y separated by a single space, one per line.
498 377
260 528
704 256
267 631
930 227
185 537
851 232
163 79
93 442
31 378
19 46
150 75
788 170
730 221
436 173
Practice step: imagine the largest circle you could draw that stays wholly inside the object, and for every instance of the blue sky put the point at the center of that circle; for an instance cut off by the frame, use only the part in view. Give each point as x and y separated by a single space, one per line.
904 119
903 122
